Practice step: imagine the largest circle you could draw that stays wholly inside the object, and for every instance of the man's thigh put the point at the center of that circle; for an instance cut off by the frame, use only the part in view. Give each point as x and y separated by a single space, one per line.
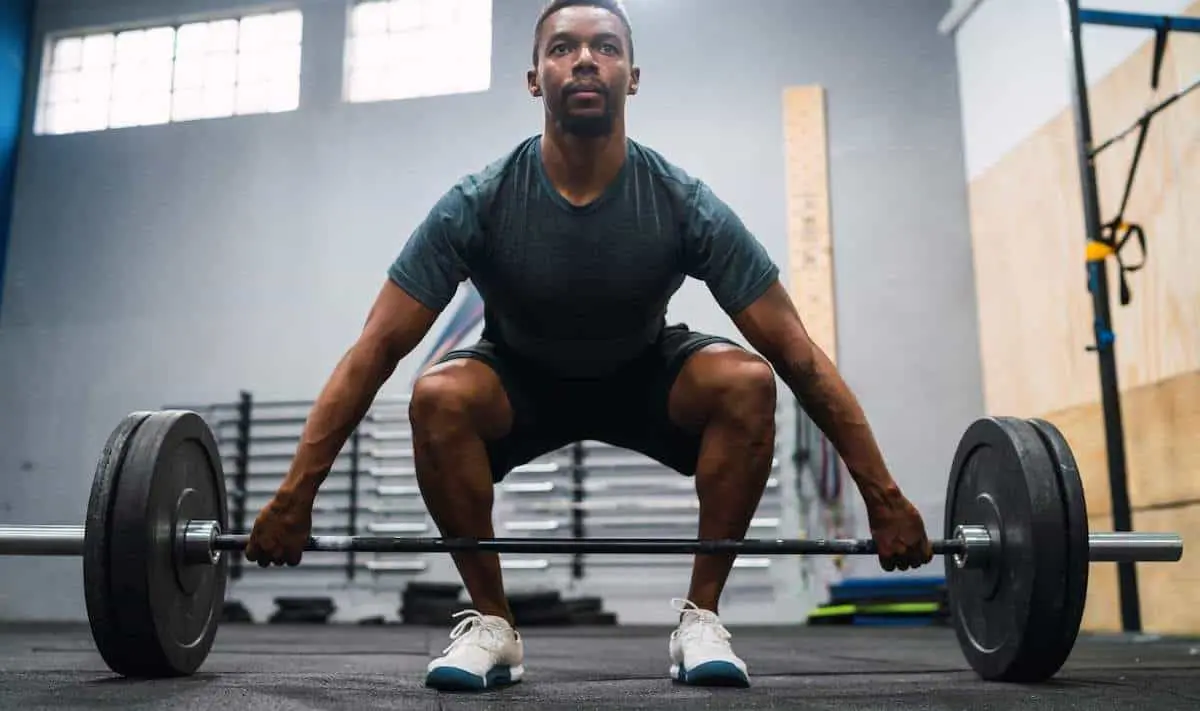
542 419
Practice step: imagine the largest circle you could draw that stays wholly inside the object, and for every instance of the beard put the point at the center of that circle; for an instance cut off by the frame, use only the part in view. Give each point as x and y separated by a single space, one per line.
584 126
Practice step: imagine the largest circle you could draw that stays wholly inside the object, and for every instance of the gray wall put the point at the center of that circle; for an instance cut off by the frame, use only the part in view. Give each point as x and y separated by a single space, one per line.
179 263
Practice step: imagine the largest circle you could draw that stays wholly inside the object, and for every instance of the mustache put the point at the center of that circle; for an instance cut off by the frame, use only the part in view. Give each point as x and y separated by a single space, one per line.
585 86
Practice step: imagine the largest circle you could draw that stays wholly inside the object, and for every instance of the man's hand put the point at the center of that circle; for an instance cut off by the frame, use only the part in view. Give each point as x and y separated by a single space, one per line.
281 531
899 533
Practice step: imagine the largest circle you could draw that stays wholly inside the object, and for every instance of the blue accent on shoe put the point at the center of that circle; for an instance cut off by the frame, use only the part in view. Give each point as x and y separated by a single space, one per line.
713 674
455 679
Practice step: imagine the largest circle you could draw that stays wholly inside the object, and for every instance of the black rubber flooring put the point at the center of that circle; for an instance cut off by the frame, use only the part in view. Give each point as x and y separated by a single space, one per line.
277 668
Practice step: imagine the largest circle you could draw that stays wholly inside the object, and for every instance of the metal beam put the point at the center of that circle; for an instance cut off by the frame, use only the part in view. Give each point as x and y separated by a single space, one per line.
1172 23
1105 346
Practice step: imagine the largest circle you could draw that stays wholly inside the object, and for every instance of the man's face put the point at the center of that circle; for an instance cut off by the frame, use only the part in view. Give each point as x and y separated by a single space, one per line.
583 70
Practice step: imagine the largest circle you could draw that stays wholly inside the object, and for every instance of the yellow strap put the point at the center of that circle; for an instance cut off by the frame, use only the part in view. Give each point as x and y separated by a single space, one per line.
1098 251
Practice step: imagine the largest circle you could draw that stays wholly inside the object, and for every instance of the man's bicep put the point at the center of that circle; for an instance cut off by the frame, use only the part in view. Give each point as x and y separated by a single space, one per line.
723 253
397 321
436 257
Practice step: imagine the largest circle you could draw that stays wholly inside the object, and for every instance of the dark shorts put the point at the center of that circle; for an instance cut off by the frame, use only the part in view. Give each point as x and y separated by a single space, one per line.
626 409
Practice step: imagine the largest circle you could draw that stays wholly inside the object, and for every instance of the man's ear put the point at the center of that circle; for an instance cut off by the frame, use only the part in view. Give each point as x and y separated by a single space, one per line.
535 90
635 80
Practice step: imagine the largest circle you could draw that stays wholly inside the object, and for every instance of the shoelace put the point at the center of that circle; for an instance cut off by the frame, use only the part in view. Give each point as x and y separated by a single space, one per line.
471 626
705 623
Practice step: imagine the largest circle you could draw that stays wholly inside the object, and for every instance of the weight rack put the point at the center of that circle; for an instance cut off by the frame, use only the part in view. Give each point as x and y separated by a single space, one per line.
586 489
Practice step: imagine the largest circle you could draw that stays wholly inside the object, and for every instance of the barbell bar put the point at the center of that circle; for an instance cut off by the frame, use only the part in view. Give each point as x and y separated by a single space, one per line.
1017 546
971 543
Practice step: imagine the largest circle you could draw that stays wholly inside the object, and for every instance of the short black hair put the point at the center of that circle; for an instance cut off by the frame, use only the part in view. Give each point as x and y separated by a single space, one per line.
616 7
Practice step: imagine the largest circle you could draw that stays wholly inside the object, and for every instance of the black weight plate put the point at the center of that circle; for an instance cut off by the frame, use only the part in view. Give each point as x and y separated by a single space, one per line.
168 613
97 593
1076 530
1008 614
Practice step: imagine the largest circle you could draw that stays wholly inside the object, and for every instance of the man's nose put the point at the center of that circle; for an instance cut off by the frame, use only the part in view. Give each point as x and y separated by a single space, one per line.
585 60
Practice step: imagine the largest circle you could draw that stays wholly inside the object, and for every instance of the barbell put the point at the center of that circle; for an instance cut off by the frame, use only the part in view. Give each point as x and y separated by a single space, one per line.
155 566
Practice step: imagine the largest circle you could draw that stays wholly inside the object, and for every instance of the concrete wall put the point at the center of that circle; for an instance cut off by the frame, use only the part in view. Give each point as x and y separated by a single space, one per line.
180 263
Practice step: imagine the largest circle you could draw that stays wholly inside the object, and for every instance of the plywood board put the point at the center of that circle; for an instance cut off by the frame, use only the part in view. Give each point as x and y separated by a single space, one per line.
1027 227
809 234
1162 444
1164 589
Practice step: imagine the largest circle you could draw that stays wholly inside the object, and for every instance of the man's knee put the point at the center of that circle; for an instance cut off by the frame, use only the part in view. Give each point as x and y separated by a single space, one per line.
747 391
732 385
456 397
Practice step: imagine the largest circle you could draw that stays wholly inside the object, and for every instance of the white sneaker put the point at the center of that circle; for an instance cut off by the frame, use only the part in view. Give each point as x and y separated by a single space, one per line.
700 650
486 651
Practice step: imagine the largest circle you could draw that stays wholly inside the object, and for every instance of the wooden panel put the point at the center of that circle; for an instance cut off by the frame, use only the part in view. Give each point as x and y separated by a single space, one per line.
1162 444
1164 589
1036 319
1028 237
810 238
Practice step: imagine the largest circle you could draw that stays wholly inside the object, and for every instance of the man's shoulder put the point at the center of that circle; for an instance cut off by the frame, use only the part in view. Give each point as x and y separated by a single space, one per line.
482 185
665 171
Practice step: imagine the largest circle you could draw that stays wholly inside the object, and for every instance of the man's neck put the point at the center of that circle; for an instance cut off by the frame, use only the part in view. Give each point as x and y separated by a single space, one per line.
581 169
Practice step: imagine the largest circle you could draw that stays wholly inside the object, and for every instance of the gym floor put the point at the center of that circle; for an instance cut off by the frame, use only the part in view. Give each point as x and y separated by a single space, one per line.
280 667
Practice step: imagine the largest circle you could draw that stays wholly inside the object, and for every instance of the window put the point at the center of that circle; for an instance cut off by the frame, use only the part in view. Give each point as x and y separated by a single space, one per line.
403 49
157 75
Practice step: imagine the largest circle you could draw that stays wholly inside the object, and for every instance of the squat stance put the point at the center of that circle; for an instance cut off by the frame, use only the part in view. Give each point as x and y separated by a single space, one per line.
577 239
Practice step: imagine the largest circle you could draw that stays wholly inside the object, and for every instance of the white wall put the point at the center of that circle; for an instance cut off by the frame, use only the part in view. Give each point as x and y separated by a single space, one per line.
1013 67
180 263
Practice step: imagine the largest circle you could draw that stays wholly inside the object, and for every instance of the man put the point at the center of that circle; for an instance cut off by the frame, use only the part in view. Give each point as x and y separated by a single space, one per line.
576 240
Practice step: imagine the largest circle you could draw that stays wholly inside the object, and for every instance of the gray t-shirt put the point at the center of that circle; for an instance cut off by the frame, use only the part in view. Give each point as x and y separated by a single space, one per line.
580 290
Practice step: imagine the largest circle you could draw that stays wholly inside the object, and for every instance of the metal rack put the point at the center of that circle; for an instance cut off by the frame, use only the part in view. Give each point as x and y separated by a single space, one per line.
586 489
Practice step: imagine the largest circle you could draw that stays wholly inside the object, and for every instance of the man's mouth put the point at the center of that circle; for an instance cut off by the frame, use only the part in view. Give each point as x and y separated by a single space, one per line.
585 91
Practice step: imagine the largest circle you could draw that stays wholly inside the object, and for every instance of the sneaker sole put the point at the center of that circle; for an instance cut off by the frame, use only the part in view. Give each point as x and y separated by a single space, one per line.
711 674
455 679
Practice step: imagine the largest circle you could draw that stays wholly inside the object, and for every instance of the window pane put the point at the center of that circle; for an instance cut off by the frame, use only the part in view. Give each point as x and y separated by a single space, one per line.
404 15
97 52
95 86
68 53
188 104
189 73
255 34
453 35
440 14
475 12
130 47
91 115
284 95
223 36
289 27
252 98
218 101
220 69
159 44
64 87
145 76
369 18
192 39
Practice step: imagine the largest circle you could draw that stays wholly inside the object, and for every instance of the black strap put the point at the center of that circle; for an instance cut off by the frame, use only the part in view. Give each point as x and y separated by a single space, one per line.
1115 235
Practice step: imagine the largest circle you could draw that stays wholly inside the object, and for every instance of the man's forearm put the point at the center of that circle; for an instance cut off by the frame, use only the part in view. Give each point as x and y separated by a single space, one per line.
816 383
339 408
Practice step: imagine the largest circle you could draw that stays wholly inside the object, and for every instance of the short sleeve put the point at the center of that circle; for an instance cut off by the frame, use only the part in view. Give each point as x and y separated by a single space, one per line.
437 256
721 252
